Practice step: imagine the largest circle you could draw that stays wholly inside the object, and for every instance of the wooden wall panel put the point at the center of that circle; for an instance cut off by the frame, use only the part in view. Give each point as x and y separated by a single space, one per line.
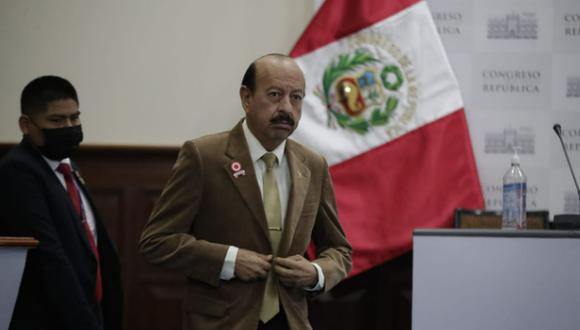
125 182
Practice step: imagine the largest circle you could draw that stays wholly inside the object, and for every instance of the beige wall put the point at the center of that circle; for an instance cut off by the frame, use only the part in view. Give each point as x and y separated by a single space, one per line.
147 72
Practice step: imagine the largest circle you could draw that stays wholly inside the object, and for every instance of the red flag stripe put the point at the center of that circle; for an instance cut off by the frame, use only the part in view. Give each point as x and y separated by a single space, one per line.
415 181
339 18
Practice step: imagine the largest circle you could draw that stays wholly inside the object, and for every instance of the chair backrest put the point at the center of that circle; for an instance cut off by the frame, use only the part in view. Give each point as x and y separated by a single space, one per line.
482 219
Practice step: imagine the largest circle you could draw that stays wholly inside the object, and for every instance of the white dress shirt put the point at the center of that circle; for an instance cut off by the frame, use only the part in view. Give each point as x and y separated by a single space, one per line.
89 215
282 173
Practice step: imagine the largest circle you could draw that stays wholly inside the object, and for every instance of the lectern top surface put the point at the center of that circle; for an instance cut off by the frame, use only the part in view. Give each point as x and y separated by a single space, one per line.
18 241
498 233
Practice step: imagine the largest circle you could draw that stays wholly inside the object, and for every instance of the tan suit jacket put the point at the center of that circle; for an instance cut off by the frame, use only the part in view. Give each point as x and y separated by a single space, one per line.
205 208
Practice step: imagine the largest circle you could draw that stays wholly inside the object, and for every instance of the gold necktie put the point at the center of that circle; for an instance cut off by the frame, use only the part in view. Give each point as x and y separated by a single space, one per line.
271 199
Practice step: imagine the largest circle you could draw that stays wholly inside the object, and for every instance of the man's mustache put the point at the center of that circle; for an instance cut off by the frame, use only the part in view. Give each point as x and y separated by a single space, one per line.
283 118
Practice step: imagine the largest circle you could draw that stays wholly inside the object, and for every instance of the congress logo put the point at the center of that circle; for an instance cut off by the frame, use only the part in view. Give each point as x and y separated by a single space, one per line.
448 23
573 87
493 195
572 24
504 142
513 26
370 87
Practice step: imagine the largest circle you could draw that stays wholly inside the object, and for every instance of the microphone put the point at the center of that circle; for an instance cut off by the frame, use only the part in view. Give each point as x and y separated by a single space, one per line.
567 221
558 130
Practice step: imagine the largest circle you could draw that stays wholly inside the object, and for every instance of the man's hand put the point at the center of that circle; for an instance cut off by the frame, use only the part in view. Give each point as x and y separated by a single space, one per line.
295 271
251 265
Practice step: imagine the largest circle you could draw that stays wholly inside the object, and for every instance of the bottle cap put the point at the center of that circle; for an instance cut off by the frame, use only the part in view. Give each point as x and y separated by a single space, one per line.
515 157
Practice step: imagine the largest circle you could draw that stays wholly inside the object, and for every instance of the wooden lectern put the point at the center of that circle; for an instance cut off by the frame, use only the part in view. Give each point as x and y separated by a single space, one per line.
13 251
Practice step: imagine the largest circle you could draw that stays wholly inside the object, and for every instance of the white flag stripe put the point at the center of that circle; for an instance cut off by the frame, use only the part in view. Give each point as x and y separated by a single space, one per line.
414 33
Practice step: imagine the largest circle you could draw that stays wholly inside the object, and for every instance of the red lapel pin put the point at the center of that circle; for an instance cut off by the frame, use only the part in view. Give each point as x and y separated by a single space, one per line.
237 169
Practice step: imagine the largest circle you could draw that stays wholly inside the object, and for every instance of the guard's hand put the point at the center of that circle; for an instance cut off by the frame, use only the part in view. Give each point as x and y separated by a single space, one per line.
251 265
295 271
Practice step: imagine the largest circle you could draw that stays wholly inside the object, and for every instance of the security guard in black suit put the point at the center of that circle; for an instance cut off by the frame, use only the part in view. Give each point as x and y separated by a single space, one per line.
72 279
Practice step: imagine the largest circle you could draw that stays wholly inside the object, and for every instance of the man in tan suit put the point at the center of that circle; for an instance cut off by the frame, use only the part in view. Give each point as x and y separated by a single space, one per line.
240 209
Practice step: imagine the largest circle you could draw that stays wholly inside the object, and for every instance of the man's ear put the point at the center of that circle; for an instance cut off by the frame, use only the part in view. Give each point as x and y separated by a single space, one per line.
24 124
245 95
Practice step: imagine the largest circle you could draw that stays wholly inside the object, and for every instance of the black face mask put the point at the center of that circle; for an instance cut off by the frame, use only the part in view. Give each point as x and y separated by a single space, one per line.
60 143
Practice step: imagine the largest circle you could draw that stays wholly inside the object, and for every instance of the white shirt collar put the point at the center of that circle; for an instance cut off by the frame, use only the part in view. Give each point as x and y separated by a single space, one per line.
54 163
256 148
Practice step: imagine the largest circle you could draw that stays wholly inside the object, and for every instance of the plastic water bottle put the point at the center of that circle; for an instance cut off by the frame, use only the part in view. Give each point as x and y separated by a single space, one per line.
514 196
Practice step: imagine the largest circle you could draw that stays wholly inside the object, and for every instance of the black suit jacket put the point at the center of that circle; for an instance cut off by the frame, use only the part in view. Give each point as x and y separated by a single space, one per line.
58 284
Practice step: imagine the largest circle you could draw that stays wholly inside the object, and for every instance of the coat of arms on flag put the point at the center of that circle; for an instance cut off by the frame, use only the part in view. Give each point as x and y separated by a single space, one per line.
363 88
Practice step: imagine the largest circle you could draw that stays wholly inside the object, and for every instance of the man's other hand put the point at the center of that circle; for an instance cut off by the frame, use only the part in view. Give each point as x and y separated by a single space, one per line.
295 271
251 265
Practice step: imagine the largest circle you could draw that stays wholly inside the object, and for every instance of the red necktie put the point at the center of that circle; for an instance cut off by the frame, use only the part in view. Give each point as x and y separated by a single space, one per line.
75 197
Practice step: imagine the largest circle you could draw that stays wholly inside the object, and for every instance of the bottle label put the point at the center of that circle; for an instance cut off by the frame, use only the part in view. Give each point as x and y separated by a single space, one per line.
514 205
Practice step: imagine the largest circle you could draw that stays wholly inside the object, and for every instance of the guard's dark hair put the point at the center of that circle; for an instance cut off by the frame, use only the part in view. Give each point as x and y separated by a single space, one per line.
249 79
43 90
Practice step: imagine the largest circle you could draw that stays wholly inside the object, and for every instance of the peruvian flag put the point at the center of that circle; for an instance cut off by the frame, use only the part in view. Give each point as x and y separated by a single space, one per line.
384 108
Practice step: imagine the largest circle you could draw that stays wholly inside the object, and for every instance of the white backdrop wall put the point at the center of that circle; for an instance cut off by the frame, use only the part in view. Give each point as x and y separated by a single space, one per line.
147 72
517 62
